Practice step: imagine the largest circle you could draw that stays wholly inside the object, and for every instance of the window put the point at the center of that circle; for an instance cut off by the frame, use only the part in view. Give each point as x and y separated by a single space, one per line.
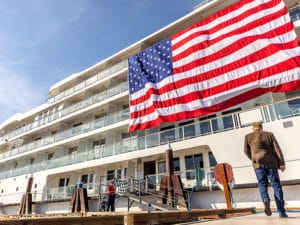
72 150
102 115
119 173
192 163
50 156
228 122
176 164
63 182
167 134
98 143
91 178
189 131
77 128
212 159
294 105
292 94
294 13
205 127
31 161
88 179
162 166
125 172
125 135
110 174
84 178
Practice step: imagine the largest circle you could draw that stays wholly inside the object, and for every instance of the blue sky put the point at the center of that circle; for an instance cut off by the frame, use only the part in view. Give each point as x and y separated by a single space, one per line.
44 41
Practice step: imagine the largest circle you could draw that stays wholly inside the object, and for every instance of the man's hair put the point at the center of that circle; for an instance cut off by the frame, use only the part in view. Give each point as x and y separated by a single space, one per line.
257 126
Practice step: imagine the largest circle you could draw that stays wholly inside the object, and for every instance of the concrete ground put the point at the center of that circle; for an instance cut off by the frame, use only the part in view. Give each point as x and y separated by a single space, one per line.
255 219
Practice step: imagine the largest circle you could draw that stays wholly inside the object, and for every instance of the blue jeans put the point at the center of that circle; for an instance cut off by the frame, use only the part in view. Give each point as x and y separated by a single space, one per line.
263 174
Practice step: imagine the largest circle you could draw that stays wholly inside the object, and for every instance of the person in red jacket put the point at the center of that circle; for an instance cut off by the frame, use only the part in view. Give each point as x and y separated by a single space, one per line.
111 192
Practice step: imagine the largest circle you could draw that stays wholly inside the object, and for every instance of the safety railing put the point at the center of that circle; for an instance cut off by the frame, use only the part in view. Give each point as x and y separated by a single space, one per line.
122 87
84 128
86 83
225 123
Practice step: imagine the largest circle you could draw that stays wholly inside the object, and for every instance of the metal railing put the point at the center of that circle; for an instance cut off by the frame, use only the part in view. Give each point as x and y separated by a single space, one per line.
86 83
267 113
131 188
84 128
69 110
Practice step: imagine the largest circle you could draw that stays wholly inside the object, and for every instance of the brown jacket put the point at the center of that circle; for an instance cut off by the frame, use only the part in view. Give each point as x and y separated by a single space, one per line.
261 147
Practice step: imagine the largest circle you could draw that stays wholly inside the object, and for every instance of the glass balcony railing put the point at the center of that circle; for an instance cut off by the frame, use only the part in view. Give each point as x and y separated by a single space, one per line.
98 77
290 108
84 128
122 87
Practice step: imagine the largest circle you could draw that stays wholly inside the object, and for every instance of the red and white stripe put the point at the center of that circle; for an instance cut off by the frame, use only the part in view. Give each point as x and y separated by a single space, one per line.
235 55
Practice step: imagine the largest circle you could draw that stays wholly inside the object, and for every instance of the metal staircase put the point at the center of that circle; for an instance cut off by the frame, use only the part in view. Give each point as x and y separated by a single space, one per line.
145 193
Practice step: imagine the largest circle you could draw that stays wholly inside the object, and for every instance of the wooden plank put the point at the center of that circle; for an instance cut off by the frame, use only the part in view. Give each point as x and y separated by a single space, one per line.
72 202
163 189
120 218
84 206
225 185
66 220
22 204
171 217
28 203
178 187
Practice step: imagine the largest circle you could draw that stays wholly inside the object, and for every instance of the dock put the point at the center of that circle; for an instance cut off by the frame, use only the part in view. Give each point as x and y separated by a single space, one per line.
257 219
125 218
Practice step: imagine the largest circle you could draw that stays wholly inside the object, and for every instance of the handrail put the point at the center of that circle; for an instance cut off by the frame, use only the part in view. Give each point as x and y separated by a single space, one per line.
206 127
90 81
134 190
101 96
84 128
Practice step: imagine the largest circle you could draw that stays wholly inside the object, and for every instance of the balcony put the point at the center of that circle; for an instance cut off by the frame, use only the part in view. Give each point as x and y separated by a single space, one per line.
286 109
122 87
82 129
90 81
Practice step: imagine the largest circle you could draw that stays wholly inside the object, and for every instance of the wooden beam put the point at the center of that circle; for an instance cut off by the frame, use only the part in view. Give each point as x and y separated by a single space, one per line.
120 218
225 186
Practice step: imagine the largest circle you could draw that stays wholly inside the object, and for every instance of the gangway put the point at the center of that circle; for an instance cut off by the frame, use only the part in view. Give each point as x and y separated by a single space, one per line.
143 192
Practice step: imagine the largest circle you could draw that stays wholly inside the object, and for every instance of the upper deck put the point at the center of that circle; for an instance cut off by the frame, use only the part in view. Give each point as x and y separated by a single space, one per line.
106 74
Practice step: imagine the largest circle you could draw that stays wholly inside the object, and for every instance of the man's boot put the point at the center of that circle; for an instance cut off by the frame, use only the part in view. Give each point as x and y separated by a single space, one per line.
281 209
268 211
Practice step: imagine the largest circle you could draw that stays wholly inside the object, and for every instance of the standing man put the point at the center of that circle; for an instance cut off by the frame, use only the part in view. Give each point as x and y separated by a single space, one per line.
263 150
111 191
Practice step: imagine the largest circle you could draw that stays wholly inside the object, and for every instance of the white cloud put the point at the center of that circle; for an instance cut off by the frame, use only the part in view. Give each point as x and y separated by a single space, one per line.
17 93
22 33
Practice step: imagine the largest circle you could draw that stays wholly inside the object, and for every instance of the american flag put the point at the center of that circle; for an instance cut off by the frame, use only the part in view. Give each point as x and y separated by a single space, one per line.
237 54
